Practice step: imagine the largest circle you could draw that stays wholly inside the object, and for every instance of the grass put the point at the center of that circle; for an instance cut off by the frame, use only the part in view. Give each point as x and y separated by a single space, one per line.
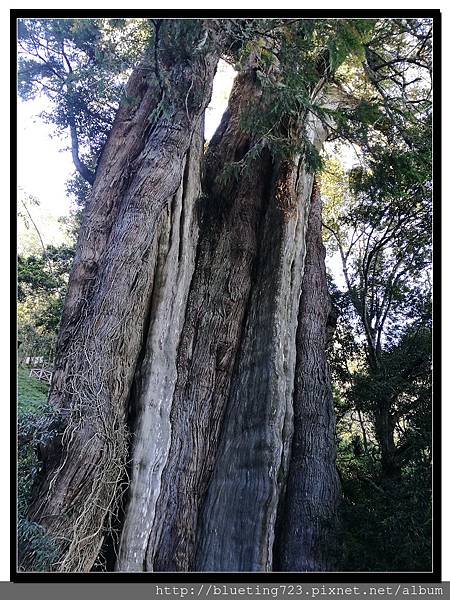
32 393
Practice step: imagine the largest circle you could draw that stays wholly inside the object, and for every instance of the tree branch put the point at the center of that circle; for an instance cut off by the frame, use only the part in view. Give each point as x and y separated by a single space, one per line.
82 169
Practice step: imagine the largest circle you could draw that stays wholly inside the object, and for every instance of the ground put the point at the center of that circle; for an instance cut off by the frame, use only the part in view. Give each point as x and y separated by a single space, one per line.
32 393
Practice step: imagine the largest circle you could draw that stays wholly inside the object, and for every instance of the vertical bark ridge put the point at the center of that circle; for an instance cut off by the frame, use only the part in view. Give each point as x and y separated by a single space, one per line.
157 375
219 297
237 525
308 533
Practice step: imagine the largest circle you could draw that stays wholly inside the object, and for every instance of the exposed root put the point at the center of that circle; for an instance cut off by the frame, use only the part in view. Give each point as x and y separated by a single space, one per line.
87 493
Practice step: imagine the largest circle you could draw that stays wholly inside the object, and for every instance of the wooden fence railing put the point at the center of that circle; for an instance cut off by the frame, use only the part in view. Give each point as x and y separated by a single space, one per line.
41 374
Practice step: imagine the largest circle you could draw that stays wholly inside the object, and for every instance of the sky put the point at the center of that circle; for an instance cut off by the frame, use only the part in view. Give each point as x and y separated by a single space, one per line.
44 163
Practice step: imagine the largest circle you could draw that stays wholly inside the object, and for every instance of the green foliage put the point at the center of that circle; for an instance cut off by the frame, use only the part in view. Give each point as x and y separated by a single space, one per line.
293 68
346 39
36 425
386 528
395 98
378 220
37 551
81 65
386 522
42 283
44 273
78 189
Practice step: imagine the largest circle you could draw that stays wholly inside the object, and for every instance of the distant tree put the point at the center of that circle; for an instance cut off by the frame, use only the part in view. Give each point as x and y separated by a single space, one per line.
81 66
42 284
378 221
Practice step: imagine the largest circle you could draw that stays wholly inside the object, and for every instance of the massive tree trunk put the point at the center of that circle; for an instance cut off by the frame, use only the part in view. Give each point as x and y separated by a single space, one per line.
209 494
308 525
237 526
135 235
204 358
191 346
248 484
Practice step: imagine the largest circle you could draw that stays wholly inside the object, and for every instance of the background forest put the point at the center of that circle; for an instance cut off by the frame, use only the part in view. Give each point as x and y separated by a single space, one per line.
375 180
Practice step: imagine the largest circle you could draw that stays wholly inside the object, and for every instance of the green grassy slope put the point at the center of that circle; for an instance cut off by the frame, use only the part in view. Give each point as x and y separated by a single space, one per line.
32 393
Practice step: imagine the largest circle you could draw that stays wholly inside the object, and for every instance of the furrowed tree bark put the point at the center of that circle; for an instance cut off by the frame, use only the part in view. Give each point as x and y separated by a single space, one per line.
238 517
211 456
139 214
156 375
309 522
180 327
238 520
220 286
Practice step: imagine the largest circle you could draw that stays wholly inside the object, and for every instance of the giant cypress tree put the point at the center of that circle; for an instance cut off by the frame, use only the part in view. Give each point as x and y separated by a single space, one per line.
191 389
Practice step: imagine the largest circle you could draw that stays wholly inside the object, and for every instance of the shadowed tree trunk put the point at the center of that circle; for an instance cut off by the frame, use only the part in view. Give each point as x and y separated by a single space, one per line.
236 532
308 524
384 422
238 520
180 326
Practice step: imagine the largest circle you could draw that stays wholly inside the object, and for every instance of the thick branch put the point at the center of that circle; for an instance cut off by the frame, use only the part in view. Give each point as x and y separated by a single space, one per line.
82 169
